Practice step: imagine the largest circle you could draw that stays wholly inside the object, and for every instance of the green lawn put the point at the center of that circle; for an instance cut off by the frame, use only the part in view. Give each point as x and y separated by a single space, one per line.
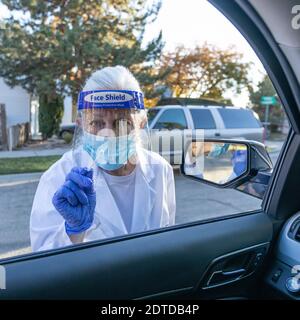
28 164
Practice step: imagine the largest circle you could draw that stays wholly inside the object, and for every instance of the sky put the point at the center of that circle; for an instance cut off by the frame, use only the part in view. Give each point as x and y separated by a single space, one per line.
191 23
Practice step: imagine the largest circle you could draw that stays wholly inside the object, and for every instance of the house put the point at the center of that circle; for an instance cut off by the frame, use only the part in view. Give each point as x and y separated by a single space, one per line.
67 117
17 104
21 107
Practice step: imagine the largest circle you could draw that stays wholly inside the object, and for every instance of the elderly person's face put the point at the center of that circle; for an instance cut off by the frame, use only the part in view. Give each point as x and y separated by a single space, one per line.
201 148
197 148
108 122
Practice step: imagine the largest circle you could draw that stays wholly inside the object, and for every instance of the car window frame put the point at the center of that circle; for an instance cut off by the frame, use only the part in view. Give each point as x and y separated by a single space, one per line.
150 125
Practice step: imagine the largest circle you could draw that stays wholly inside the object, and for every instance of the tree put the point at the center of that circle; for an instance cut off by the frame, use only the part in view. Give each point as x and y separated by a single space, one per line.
55 47
276 112
205 71
50 114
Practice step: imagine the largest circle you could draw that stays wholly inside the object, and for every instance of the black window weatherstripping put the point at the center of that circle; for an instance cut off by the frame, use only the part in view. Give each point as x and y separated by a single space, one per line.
254 180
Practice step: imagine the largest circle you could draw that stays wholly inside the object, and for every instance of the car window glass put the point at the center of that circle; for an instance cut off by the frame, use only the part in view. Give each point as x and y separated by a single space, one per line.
202 119
171 119
234 118
151 113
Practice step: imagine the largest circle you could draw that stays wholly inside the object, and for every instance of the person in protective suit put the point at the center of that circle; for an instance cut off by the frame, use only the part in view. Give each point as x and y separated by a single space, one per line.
108 184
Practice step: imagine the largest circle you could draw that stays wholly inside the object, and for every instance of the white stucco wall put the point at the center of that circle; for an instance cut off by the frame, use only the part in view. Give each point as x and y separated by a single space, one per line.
67 117
17 104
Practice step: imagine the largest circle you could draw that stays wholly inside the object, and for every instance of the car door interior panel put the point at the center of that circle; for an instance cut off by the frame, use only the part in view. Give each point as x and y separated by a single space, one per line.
284 272
178 262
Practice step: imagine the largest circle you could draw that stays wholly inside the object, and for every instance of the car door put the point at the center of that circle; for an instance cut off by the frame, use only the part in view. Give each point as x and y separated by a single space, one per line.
178 261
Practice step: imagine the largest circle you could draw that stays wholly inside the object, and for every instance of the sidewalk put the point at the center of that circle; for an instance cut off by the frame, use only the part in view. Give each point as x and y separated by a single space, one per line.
33 153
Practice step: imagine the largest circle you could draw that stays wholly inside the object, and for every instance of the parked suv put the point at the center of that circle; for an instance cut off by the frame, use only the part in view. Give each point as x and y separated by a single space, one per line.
171 119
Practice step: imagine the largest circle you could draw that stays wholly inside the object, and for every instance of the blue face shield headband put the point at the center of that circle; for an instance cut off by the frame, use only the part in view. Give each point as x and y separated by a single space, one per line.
109 152
119 99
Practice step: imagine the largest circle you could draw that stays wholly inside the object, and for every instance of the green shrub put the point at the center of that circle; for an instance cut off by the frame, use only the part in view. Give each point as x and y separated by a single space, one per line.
50 114
68 137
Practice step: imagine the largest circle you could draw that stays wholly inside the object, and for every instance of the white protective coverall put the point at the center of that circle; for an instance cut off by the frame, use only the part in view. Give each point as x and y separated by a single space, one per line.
154 202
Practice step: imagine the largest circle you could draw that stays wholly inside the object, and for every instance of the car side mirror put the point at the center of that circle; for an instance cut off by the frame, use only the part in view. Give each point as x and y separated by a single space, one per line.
242 165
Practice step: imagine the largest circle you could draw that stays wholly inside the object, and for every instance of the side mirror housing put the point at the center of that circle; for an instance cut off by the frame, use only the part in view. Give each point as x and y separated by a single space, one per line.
237 164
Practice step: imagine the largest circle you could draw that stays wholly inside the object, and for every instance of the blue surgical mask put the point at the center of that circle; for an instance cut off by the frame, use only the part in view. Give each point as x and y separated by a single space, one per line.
109 153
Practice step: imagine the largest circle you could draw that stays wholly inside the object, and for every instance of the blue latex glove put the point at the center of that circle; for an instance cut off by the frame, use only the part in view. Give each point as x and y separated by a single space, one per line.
239 161
75 200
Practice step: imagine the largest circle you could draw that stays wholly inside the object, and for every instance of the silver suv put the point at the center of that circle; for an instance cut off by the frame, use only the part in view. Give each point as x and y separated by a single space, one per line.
224 122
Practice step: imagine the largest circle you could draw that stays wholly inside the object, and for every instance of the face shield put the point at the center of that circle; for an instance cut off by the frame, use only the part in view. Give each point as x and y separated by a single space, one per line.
111 126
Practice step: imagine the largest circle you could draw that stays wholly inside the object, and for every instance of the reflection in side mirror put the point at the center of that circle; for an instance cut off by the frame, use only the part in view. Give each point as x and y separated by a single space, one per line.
215 162
244 166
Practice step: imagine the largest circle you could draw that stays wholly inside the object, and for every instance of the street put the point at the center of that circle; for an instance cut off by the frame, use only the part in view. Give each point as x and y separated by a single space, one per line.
195 201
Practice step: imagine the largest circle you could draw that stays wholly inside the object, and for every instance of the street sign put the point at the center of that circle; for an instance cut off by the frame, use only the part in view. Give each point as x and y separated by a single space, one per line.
268 100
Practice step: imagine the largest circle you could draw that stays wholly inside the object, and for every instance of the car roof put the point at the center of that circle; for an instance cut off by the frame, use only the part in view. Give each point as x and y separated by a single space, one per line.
198 107
192 103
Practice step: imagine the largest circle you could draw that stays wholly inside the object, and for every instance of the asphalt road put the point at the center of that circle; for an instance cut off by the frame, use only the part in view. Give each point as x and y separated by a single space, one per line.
195 201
